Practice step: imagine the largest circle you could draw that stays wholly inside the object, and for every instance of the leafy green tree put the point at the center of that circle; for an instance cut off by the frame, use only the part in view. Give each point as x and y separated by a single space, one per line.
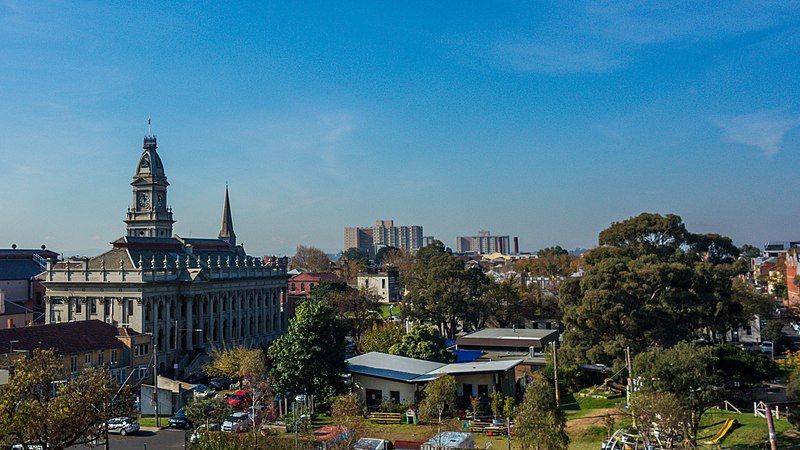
539 422
438 396
349 267
793 395
208 410
503 304
496 402
238 363
310 357
660 414
311 259
347 405
326 289
386 253
38 405
737 366
381 338
440 290
423 342
748 251
779 289
685 370
650 282
509 407
357 308
355 254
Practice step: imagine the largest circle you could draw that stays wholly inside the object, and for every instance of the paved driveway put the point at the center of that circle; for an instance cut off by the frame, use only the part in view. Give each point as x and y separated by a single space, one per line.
148 440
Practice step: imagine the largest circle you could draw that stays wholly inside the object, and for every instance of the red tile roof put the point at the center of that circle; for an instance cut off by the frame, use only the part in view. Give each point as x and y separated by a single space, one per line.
64 338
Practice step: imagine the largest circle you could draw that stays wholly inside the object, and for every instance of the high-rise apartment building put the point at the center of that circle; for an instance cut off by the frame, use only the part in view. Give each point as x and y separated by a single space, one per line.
384 234
360 238
484 242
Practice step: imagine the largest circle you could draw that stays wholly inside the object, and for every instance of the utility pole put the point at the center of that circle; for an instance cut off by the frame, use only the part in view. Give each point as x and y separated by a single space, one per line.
555 375
773 437
629 365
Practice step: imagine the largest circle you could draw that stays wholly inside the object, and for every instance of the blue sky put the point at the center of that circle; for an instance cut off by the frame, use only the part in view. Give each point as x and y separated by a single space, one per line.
543 120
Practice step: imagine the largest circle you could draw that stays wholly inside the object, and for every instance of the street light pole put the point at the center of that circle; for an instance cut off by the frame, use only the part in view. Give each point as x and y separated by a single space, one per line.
155 372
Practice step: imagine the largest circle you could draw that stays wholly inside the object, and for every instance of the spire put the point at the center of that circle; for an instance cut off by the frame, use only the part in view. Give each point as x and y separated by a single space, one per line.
226 232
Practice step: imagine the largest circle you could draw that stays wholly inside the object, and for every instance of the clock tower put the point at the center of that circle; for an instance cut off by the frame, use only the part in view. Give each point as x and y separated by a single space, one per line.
149 215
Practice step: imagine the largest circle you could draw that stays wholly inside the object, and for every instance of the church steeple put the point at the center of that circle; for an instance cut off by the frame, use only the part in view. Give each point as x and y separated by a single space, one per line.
226 231
149 216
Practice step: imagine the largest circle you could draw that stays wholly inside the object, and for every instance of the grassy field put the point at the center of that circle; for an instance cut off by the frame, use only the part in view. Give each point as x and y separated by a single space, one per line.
150 421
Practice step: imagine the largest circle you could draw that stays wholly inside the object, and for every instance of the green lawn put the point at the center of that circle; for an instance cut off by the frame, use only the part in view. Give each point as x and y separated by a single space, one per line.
150 421
750 434
385 311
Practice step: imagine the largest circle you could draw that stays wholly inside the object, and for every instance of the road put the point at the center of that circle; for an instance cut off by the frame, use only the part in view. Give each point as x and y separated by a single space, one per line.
143 440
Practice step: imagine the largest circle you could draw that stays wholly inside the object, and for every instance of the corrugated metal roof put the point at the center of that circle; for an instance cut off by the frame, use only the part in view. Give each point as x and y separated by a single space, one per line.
471 367
509 333
400 368
393 367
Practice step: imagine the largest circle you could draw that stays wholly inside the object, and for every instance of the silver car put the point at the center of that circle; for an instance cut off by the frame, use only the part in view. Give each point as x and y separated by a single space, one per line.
236 422
122 425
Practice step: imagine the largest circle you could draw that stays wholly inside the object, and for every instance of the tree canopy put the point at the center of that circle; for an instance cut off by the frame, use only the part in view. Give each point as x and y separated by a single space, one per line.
381 337
238 363
539 422
650 282
311 259
423 342
440 290
438 397
309 358
38 405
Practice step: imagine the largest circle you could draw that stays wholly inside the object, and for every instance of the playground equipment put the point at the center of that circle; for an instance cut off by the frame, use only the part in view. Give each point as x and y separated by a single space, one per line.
727 426
624 439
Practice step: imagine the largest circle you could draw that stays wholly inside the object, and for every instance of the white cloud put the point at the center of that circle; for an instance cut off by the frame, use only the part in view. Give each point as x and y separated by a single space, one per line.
762 129
597 37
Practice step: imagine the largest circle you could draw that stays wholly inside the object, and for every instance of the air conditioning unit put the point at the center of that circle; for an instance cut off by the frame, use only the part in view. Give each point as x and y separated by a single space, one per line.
109 320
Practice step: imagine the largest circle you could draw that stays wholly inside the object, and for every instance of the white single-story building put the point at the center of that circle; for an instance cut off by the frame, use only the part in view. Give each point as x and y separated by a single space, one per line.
380 376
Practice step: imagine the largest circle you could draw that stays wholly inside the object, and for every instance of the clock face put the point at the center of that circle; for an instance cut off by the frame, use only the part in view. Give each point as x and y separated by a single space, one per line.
159 200
143 201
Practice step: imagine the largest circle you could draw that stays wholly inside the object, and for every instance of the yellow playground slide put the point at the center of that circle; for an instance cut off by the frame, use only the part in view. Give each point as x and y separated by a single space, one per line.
729 423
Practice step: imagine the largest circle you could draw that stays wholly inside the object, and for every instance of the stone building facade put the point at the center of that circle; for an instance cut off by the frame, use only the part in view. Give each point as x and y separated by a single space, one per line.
192 294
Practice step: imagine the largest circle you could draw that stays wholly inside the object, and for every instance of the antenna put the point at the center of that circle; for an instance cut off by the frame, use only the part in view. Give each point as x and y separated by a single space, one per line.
149 133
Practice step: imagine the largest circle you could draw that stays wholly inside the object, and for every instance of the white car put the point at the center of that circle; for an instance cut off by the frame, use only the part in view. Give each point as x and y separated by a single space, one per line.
122 425
236 422
201 430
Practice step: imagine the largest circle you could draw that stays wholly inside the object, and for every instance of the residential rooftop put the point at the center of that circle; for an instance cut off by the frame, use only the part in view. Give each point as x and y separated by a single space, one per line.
64 338
391 367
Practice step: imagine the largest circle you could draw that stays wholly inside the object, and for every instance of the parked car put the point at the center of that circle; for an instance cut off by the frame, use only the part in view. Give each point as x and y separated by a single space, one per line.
220 383
202 391
239 399
198 433
766 347
236 423
197 378
179 420
122 425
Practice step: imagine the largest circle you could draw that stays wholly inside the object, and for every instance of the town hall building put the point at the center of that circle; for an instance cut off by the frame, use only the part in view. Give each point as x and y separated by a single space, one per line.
192 294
